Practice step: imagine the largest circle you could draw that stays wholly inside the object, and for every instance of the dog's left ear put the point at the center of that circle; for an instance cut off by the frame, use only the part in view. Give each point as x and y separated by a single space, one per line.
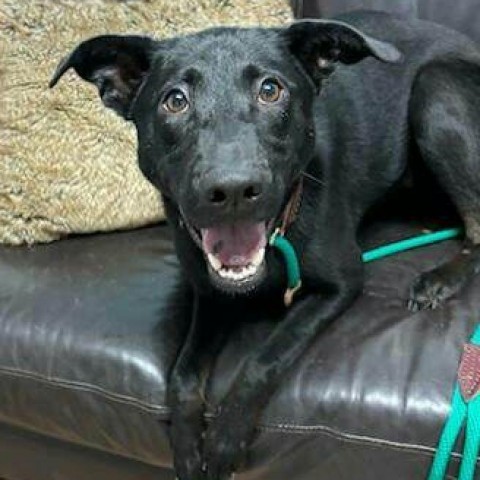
319 44
116 64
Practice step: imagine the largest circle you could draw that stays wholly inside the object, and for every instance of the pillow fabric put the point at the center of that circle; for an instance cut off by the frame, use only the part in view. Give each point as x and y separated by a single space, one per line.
67 164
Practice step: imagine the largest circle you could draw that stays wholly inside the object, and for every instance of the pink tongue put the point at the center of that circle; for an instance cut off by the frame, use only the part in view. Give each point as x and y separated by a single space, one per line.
236 244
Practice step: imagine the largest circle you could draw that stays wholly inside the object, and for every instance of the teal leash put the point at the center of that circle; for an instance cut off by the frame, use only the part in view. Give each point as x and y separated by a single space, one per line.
409 244
465 409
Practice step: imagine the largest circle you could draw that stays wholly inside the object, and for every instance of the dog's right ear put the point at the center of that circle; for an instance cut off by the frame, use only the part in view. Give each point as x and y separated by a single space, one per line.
320 44
116 64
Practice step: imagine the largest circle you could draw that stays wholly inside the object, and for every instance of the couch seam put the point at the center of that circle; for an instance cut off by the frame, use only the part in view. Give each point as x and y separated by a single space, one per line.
267 427
345 437
135 458
86 387
352 437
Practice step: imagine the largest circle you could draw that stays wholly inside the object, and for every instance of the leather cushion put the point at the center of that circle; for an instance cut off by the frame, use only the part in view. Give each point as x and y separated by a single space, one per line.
87 340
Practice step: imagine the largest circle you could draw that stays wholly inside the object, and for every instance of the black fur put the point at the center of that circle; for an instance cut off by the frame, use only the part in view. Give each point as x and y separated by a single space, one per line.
353 123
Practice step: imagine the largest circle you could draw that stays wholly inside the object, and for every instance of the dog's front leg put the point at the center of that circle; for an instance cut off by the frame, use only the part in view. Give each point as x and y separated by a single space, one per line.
234 426
185 391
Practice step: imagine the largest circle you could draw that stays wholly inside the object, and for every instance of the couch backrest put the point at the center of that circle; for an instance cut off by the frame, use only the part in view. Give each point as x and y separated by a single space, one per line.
462 15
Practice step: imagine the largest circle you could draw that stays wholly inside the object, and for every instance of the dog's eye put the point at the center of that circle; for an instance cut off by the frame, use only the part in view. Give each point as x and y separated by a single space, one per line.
176 102
270 91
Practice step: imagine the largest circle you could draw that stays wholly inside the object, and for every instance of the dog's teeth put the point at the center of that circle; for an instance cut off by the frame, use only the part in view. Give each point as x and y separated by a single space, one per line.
258 258
237 274
250 270
214 262
226 273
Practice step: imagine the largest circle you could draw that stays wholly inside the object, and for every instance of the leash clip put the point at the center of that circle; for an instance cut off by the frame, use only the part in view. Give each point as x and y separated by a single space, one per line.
290 292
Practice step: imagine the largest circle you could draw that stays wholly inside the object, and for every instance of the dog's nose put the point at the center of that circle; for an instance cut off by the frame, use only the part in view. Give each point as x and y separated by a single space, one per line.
235 192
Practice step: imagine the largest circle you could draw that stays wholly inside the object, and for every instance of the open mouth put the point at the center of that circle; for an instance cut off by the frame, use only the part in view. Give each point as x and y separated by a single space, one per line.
235 251
235 254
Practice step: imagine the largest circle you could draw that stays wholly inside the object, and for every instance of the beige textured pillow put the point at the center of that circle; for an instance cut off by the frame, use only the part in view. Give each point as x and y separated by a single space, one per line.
68 165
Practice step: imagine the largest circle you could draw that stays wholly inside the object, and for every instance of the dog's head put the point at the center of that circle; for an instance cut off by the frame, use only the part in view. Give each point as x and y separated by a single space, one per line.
225 125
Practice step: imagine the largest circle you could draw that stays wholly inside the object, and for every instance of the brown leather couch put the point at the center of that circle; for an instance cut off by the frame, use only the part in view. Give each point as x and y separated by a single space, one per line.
88 334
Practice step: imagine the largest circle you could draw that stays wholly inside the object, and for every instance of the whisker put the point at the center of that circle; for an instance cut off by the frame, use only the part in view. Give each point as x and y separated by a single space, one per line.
311 177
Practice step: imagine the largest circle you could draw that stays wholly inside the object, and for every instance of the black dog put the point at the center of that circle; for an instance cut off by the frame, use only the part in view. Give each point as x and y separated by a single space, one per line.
238 126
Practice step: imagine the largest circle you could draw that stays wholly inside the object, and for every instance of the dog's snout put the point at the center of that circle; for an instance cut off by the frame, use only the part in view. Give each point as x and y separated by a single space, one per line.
234 192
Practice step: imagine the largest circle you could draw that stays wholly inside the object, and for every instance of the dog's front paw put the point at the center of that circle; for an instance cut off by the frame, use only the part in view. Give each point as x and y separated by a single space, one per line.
188 462
431 289
185 437
226 442
189 465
